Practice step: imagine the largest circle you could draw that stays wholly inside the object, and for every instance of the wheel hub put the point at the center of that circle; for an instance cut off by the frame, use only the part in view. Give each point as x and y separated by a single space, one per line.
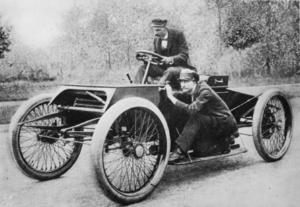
279 124
139 151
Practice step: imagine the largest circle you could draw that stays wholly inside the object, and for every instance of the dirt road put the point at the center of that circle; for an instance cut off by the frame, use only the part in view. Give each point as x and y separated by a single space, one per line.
243 180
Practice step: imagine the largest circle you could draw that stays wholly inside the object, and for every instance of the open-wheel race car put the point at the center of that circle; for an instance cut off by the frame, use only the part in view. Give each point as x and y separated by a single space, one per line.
128 133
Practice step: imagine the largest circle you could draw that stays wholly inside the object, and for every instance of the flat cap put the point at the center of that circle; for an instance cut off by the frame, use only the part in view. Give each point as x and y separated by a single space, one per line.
159 22
188 75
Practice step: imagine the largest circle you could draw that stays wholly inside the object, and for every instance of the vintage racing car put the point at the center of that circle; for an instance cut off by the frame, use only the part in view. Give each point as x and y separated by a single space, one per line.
128 133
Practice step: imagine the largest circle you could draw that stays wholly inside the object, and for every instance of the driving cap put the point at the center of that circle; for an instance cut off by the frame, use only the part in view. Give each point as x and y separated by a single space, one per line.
159 23
188 75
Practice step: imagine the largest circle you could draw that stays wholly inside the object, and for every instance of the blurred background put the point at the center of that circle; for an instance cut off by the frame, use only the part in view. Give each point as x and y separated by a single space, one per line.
46 43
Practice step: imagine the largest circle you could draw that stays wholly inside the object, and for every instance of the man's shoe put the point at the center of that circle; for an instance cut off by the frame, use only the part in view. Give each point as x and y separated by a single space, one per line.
225 148
176 156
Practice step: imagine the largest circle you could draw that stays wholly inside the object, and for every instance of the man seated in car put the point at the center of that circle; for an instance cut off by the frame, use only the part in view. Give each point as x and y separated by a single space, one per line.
207 115
171 44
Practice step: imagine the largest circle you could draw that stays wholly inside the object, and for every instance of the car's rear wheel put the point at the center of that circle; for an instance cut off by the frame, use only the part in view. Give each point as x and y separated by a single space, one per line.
272 125
36 144
130 149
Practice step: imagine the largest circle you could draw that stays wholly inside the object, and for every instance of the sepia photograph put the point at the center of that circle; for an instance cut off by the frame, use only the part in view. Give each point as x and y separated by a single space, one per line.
172 103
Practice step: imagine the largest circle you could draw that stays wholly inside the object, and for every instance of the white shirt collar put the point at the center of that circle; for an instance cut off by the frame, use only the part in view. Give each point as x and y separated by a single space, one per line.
166 36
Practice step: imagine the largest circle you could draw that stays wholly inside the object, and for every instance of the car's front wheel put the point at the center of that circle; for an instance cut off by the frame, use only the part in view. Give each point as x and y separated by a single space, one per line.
130 149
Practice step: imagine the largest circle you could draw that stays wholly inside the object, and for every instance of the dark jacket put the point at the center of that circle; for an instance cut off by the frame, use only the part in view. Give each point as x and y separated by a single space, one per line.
206 101
176 48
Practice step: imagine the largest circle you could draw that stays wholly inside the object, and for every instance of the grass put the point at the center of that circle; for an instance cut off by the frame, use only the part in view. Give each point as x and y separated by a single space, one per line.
7 111
21 90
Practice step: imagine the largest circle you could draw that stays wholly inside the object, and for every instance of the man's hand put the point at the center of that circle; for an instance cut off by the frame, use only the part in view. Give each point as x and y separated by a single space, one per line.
169 90
168 60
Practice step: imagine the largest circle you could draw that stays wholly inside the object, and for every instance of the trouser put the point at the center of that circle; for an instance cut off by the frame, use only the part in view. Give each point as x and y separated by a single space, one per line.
176 117
198 127
170 74
201 127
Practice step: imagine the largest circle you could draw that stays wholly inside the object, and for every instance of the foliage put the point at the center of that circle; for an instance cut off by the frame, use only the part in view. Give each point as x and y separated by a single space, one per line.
239 33
28 75
22 90
270 31
107 38
4 41
23 63
241 38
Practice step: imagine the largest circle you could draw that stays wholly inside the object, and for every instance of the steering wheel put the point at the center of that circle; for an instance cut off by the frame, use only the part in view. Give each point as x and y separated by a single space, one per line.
149 57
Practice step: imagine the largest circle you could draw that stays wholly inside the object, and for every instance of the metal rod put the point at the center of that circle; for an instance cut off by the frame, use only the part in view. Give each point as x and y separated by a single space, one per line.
74 108
250 135
80 133
147 70
41 118
244 125
88 122
65 140
247 112
96 97
46 127
245 102
129 78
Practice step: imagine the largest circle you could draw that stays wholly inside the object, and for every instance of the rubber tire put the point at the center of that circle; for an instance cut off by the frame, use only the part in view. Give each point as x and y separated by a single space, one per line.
20 115
98 140
257 121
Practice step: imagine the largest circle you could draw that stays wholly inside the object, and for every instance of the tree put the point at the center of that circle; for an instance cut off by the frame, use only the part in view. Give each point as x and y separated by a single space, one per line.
268 32
241 27
220 6
4 41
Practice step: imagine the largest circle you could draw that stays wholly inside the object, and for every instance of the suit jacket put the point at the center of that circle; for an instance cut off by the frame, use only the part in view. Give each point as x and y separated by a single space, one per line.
206 101
176 48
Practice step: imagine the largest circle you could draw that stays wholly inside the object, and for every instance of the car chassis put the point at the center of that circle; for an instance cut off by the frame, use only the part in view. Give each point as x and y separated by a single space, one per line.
128 133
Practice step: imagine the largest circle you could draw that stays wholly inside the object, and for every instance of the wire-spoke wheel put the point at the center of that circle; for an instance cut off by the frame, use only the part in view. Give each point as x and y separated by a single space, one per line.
130 150
37 146
272 125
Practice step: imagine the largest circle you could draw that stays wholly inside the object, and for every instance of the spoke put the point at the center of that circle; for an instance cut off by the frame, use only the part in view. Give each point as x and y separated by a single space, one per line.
143 170
124 170
142 125
30 157
116 172
122 175
135 124
153 133
30 130
144 137
117 162
43 154
26 148
133 176
59 157
52 159
129 178
147 129
266 131
276 141
64 150
108 162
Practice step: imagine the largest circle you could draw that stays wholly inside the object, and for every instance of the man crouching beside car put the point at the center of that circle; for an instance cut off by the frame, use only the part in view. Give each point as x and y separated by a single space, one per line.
207 116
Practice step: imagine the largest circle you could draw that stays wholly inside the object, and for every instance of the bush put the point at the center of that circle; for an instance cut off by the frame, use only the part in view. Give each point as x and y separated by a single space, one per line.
28 75
240 35
4 42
